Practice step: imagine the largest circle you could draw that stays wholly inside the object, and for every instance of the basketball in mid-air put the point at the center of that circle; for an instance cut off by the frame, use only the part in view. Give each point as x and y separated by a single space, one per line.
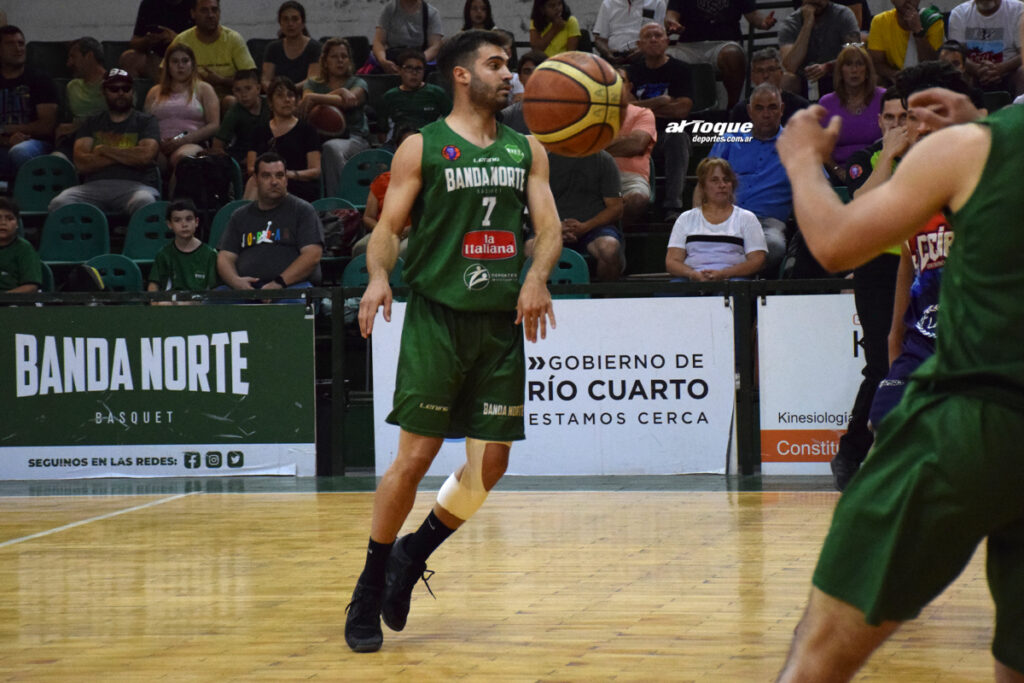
573 104
327 119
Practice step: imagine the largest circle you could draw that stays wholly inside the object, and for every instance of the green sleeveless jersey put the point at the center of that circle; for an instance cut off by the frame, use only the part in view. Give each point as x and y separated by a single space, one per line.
980 345
466 242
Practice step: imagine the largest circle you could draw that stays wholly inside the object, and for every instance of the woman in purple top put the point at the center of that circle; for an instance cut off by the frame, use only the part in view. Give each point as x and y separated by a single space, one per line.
857 100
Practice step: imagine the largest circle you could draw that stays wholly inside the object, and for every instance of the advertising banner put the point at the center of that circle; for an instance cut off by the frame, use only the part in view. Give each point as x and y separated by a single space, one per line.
145 391
810 358
622 386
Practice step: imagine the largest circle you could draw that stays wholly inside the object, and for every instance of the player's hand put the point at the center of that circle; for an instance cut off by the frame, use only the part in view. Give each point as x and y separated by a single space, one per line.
377 294
939 108
813 72
533 309
804 140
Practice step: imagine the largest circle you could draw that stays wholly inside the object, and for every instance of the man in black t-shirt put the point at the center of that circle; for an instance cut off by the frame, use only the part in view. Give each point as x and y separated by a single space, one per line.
709 32
28 106
663 85
156 25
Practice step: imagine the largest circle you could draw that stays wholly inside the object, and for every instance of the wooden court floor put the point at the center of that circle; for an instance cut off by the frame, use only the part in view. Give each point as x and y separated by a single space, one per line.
539 586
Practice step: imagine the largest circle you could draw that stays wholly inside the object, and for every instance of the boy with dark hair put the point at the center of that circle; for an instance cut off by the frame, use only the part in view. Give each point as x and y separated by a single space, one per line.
249 113
413 103
21 271
185 263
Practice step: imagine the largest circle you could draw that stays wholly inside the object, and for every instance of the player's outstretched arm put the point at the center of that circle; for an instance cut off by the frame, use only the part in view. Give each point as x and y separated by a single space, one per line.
845 236
534 306
382 250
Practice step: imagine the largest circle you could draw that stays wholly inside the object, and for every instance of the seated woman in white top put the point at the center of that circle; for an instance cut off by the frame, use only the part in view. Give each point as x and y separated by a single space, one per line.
186 107
716 240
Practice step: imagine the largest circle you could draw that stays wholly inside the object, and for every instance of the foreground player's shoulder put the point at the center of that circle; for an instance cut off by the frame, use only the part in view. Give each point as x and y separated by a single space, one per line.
408 156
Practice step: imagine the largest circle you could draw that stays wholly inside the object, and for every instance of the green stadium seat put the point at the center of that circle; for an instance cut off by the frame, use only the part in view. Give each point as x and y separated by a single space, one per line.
147 233
119 273
74 234
570 269
39 180
220 220
359 172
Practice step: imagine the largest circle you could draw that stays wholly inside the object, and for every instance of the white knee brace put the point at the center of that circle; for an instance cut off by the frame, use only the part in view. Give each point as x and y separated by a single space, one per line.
462 497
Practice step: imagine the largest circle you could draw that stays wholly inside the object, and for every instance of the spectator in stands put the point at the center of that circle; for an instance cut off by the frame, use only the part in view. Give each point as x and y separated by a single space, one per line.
524 69
710 33
414 103
250 112
618 26
553 28
764 188
186 108
954 52
185 263
662 84
588 195
858 102
810 39
904 36
219 51
115 154
631 151
28 106
375 204
275 242
294 54
337 85
990 30
84 91
892 121
766 67
406 24
157 24
476 14
716 240
21 271
292 139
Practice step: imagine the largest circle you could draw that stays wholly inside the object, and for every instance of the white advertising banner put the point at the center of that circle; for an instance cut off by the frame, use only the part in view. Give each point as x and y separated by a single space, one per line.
622 386
810 359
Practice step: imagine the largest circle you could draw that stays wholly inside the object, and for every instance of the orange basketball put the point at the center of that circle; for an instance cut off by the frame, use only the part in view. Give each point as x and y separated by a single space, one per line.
327 119
573 104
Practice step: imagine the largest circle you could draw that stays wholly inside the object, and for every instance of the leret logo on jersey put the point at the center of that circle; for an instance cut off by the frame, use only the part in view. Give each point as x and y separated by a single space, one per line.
489 244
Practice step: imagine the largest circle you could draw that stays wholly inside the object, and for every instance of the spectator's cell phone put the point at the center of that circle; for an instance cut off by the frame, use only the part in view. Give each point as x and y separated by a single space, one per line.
648 13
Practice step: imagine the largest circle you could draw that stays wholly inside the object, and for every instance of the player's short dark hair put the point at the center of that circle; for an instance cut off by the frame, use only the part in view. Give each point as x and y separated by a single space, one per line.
8 204
269 158
891 93
181 205
283 83
87 45
459 49
933 74
246 75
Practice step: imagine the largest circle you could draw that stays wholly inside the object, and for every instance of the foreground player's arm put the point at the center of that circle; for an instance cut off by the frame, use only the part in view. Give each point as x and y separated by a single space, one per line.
382 250
900 302
534 306
845 236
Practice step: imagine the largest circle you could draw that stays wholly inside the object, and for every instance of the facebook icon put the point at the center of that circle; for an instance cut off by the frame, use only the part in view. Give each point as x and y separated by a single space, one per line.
191 460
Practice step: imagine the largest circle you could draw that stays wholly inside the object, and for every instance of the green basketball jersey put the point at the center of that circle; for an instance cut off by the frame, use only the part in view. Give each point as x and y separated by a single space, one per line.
981 305
195 271
466 242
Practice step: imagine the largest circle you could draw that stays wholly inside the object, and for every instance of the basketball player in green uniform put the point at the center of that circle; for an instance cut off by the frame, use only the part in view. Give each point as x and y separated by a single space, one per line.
946 470
466 181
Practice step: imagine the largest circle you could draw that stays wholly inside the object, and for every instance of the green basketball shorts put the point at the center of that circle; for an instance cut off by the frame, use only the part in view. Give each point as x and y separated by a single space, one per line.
459 373
946 471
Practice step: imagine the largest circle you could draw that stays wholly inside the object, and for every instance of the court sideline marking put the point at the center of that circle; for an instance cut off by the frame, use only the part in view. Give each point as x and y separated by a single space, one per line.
82 522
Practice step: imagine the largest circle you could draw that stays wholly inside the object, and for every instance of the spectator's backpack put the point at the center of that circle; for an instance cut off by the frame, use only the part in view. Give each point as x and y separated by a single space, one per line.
342 229
207 180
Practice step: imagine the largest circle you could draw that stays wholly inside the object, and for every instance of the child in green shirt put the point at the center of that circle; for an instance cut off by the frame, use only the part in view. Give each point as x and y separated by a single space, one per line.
185 263
21 271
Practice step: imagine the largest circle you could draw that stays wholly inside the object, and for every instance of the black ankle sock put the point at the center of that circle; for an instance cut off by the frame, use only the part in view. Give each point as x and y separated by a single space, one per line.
431 534
376 561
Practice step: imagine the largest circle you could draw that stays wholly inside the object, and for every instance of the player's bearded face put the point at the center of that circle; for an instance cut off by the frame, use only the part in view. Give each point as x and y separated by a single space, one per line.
490 83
